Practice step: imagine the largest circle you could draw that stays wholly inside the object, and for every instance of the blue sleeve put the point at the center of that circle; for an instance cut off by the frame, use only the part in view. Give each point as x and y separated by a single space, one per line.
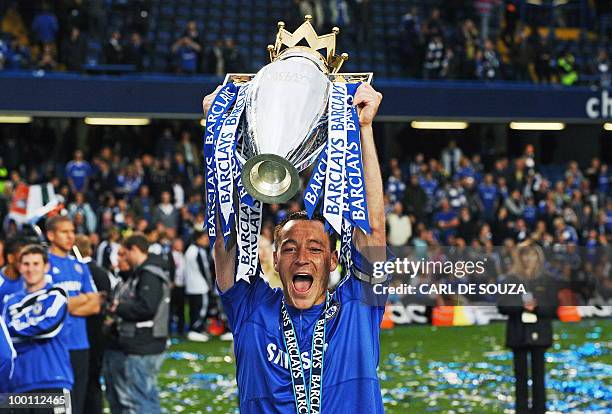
240 300
41 316
352 288
68 170
7 355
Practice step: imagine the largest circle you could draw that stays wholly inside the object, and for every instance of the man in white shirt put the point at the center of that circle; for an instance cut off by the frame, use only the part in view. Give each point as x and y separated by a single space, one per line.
198 284
399 225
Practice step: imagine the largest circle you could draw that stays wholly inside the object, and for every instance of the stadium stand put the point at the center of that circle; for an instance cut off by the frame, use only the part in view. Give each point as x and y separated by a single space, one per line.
390 38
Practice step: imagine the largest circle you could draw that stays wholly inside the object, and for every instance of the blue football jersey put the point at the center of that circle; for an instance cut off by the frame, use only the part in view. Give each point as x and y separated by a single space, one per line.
74 277
35 322
8 287
7 357
350 380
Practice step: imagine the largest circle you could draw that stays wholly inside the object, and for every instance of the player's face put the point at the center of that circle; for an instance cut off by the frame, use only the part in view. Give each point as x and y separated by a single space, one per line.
304 261
63 236
33 268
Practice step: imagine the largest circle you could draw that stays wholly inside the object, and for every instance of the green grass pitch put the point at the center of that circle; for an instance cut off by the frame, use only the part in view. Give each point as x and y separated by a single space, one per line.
423 369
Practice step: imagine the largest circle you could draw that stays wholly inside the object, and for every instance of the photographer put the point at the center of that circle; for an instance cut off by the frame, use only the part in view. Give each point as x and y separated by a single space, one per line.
141 309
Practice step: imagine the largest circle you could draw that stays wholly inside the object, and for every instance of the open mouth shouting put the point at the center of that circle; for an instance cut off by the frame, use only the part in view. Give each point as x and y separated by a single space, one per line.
302 282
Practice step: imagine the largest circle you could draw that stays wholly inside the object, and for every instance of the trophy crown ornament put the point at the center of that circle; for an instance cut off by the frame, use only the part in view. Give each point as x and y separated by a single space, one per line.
287 43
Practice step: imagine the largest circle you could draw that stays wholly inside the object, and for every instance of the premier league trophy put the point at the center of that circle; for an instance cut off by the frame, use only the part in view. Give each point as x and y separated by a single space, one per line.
297 111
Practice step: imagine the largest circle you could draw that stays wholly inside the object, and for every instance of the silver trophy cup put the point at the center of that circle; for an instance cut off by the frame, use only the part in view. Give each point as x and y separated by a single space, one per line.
285 125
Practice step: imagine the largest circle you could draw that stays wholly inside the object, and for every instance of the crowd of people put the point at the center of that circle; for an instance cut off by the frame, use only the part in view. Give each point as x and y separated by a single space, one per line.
53 41
453 207
480 40
445 46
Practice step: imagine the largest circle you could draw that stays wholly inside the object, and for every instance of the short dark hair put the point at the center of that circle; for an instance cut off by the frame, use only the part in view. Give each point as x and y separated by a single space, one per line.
302 215
197 234
53 223
139 241
12 246
35 249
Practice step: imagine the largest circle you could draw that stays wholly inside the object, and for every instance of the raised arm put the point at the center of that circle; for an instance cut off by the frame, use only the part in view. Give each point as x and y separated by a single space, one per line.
367 101
224 256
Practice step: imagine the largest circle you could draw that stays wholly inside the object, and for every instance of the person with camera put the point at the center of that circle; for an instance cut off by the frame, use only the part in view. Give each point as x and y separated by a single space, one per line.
529 330
140 310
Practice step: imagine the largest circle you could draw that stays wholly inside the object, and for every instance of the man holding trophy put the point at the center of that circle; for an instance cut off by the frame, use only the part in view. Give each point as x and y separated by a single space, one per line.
301 348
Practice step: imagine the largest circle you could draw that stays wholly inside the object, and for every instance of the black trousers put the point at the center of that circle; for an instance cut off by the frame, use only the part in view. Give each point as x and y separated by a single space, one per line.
521 373
93 397
198 311
177 304
80 368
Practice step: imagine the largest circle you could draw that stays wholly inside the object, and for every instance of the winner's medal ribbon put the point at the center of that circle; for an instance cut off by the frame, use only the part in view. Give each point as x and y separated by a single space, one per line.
307 401
214 119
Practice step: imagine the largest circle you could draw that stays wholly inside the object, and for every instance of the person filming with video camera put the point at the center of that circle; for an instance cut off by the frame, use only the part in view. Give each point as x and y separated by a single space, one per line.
140 310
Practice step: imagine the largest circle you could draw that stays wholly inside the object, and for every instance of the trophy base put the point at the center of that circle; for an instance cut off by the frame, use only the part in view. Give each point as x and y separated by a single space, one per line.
270 178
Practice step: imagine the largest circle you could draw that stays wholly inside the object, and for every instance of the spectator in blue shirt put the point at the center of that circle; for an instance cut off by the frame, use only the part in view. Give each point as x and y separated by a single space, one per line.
78 172
45 26
446 221
489 197
188 49
530 213
396 186
19 56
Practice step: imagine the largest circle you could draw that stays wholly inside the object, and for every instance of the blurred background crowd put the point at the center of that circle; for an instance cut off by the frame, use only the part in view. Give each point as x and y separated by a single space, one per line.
454 200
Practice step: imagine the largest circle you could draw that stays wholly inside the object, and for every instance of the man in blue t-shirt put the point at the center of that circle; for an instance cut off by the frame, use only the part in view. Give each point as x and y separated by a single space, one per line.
74 277
78 172
331 339
35 319
446 221
489 197
10 282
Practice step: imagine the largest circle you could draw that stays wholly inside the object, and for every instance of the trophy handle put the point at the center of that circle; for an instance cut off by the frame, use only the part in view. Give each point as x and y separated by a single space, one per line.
365 77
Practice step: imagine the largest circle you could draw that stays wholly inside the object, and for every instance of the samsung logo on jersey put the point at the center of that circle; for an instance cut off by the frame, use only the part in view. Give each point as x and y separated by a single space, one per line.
279 357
